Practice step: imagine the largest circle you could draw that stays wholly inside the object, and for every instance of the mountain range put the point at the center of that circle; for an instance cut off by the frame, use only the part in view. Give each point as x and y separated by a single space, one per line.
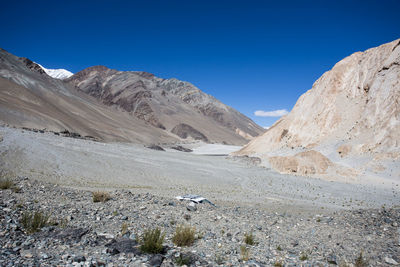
113 105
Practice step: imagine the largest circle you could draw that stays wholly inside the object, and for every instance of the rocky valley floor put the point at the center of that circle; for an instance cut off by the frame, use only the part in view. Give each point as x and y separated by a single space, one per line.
84 233
294 221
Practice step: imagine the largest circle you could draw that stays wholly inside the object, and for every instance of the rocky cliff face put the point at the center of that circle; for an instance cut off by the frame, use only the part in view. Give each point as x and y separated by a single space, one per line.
166 104
351 115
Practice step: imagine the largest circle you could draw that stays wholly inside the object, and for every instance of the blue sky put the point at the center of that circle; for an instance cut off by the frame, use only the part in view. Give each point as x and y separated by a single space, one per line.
251 55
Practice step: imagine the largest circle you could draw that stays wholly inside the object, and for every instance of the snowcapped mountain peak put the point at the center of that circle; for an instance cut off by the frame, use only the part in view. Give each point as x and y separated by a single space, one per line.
57 73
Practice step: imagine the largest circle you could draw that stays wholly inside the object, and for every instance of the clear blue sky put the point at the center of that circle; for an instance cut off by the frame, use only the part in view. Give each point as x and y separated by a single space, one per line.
251 55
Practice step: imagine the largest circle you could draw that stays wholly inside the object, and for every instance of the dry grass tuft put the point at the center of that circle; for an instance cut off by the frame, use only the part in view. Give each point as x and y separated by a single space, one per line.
124 228
249 239
184 236
244 253
5 180
152 241
6 183
360 261
34 221
100 196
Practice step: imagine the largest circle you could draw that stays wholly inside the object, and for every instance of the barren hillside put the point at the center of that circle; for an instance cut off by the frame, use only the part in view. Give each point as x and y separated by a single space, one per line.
347 125
116 106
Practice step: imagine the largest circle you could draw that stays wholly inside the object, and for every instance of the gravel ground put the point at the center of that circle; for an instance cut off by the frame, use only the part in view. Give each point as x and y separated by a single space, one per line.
89 234
295 221
226 181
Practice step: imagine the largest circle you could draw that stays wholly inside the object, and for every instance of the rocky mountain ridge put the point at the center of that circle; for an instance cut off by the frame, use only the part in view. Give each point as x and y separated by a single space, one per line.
115 106
347 125
160 102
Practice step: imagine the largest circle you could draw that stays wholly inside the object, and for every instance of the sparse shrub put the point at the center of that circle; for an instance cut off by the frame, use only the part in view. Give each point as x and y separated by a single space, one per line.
16 189
124 228
219 259
279 248
62 223
303 257
249 239
6 183
244 253
33 221
182 260
360 261
151 241
184 236
344 264
199 235
100 196
278 264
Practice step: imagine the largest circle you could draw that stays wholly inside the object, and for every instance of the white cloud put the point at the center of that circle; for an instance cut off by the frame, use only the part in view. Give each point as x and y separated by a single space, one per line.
273 113
266 127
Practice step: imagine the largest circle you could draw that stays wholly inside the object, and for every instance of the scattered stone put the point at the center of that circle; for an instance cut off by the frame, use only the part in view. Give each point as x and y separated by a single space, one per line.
26 254
219 232
79 258
123 245
156 147
156 260
390 261
181 148
191 206
332 259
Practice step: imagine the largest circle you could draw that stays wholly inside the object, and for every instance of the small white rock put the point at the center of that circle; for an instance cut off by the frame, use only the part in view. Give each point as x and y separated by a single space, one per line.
390 261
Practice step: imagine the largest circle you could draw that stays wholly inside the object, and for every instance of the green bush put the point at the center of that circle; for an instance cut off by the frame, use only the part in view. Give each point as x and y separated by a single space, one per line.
303 257
152 241
33 221
184 236
182 260
249 239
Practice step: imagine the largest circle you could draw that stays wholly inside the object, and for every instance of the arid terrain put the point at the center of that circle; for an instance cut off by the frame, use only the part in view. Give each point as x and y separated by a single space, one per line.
347 126
294 221
91 167
87 164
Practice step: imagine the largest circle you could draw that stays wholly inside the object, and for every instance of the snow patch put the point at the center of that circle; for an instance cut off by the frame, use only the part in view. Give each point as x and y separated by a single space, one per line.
215 149
57 73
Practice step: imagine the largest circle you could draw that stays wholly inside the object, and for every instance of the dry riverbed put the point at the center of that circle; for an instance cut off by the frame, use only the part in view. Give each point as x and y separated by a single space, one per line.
295 221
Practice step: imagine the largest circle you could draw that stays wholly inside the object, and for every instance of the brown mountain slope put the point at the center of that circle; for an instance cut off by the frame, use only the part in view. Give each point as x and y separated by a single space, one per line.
31 98
348 124
166 103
